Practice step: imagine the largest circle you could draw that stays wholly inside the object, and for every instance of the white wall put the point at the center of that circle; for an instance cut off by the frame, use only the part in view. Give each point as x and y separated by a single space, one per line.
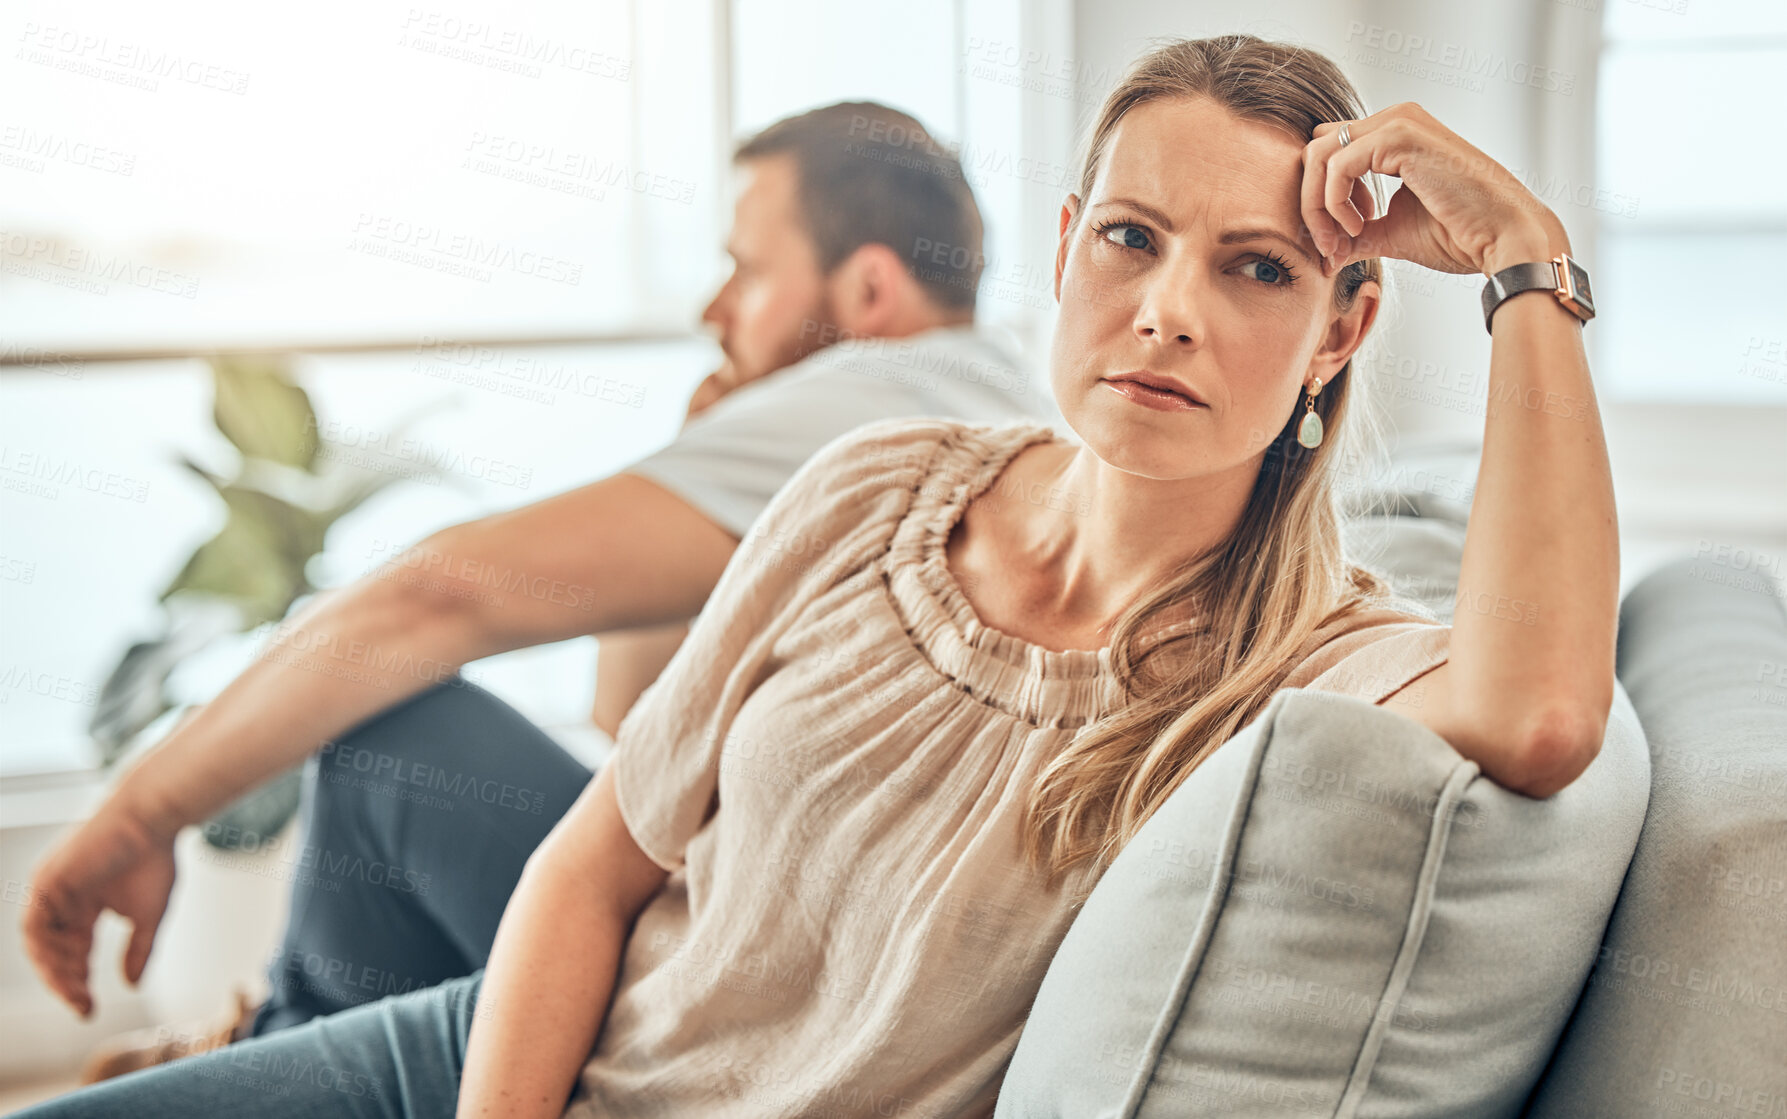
1688 477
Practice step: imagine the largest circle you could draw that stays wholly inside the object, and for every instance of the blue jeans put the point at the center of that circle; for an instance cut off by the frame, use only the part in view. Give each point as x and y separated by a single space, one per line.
414 830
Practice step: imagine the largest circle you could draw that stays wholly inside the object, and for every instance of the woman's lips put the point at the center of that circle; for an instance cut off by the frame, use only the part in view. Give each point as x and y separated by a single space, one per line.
1158 399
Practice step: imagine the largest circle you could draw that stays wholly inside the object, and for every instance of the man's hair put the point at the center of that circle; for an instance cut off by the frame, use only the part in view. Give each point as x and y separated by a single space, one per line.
868 174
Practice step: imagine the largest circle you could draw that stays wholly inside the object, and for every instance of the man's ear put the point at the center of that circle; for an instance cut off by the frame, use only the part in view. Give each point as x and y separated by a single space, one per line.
1069 209
870 289
1346 331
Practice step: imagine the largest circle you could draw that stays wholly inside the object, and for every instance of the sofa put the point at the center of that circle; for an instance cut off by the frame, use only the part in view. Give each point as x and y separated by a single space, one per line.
1338 915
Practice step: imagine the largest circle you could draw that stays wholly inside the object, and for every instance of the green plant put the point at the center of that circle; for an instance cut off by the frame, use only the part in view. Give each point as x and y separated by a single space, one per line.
284 495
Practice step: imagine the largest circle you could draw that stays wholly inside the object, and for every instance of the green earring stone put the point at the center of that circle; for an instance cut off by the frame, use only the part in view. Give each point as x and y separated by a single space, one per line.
1309 432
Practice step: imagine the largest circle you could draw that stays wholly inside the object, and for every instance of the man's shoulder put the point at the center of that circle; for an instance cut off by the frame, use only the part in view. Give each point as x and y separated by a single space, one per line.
960 370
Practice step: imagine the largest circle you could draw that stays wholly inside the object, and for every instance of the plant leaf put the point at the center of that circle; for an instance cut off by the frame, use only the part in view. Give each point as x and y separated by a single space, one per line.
256 560
216 480
260 409
131 698
135 694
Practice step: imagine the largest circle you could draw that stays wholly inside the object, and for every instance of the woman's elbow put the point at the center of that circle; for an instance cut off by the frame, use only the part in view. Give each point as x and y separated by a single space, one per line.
1559 748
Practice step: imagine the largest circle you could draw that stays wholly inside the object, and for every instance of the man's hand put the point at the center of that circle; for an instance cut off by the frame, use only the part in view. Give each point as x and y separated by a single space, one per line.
717 384
112 861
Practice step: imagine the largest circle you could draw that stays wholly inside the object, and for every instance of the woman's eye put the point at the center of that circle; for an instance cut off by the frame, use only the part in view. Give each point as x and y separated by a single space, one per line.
1271 274
1129 236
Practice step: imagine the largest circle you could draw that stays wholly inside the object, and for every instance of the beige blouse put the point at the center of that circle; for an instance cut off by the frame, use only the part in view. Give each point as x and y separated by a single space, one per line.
832 769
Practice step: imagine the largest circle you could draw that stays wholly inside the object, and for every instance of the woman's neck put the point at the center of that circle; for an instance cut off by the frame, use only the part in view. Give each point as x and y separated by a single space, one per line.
1088 538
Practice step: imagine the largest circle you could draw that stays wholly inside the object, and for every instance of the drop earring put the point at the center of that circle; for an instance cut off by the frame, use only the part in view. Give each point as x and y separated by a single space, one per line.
1309 432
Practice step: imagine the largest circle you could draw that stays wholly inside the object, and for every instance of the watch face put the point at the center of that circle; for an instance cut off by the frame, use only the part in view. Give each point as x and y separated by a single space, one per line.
1578 284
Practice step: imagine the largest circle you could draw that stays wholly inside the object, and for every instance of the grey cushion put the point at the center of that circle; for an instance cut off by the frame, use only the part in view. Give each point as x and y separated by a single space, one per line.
1413 538
1686 1013
1336 915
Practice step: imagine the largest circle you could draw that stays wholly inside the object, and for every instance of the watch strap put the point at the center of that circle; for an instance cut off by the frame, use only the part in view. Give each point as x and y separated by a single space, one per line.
1562 275
1515 279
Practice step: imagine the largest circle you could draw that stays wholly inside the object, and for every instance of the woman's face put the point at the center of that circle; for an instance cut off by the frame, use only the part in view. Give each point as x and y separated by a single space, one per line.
1153 274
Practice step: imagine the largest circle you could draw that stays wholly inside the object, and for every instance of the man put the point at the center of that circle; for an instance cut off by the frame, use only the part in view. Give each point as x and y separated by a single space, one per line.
856 251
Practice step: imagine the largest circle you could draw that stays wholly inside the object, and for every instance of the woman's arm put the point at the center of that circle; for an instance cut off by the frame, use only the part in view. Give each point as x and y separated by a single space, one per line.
553 964
1529 684
1543 533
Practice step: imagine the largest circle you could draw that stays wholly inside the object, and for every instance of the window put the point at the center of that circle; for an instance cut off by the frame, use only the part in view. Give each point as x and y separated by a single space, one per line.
1692 223
199 174
994 79
347 176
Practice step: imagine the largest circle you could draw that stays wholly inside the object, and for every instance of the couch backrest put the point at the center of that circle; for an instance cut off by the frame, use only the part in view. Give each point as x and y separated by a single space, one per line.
1686 1012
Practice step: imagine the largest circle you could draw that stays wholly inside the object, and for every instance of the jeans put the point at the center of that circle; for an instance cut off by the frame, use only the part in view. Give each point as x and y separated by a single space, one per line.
414 829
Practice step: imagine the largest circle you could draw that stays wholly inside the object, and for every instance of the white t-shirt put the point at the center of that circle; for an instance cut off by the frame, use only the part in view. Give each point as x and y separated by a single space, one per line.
732 457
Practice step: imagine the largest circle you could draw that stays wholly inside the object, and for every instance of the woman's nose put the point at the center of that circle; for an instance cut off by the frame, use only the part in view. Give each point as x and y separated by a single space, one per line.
1169 310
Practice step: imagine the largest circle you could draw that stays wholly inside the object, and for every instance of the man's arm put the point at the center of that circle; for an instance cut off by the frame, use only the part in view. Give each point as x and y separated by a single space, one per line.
618 553
627 661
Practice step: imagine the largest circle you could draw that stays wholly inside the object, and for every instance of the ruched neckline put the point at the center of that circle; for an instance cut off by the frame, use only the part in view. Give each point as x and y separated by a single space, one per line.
1045 687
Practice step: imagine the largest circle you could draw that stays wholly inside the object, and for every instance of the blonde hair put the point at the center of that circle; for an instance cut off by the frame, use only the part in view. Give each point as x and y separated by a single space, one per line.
1258 599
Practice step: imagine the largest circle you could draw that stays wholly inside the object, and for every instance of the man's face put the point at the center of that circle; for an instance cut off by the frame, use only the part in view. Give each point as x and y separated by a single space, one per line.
1147 282
774 309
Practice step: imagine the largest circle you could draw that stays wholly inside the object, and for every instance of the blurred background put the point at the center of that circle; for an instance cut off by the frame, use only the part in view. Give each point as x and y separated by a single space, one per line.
467 244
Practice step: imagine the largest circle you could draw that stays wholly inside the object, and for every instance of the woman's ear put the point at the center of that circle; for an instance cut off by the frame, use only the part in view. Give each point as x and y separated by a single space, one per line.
1069 210
1347 330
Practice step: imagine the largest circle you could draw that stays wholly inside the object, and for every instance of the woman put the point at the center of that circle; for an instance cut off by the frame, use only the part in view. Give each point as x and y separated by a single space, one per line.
956 666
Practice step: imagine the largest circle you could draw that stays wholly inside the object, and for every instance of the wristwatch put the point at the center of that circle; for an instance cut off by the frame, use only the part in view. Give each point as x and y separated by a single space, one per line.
1561 275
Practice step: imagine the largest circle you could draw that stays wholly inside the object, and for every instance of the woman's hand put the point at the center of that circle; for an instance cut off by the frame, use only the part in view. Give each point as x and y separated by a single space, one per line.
1457 210
112 861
